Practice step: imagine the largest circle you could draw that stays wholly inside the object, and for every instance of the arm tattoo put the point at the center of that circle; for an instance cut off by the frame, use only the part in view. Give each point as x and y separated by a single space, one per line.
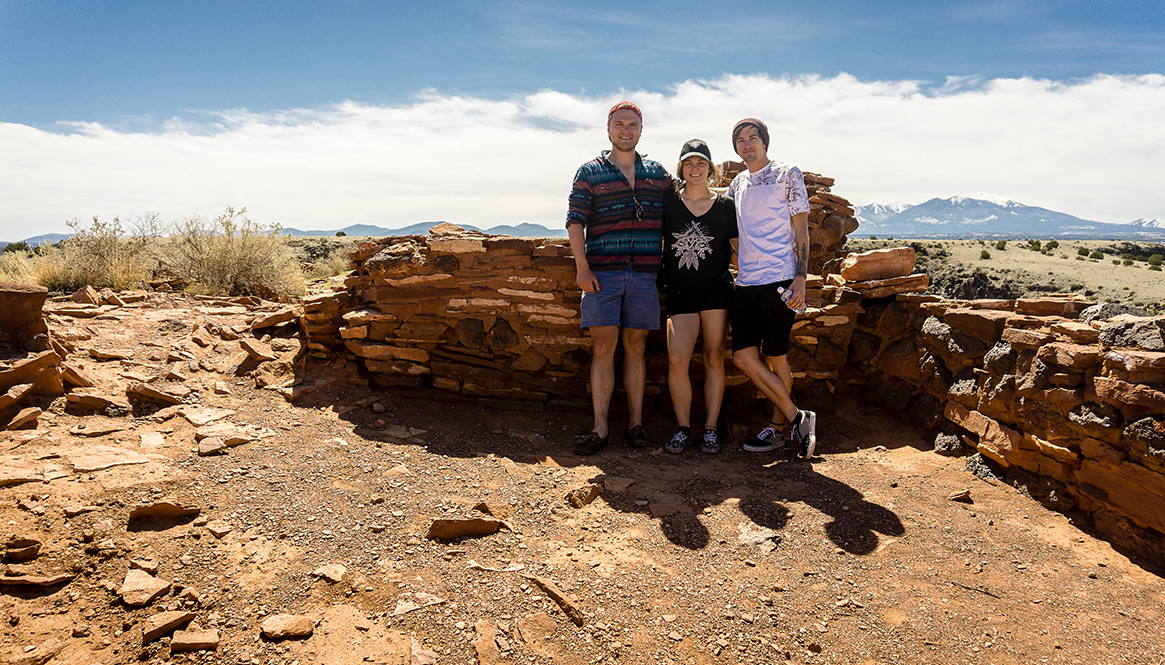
802 251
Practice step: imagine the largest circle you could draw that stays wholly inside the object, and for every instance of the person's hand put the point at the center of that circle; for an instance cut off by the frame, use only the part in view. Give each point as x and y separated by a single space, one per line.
797 289
587 281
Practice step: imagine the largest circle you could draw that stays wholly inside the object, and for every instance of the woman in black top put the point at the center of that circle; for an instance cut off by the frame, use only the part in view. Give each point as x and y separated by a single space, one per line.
699 237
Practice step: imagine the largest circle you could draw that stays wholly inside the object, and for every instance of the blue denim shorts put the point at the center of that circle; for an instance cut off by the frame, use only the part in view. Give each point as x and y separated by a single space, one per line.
626 298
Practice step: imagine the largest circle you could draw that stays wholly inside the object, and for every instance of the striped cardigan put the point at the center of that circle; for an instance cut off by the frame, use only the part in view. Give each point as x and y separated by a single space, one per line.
622 225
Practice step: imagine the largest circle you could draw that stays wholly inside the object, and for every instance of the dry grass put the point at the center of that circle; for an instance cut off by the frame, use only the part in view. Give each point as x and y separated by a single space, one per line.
99 254
1061 269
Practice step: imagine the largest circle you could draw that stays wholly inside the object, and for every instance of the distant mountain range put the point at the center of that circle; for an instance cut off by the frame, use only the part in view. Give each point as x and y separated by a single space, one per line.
524 230
985 215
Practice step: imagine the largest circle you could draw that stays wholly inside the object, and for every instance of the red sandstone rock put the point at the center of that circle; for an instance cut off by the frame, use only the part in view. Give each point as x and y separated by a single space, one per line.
22 306
1069 356
878 264
1133 490
86 295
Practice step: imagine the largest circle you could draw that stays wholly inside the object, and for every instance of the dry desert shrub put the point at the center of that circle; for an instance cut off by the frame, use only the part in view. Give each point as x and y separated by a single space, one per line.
16 267
231 255
99 255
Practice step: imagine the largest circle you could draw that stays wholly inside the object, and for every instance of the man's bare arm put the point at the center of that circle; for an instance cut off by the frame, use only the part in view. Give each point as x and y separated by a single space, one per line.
578 246
801 255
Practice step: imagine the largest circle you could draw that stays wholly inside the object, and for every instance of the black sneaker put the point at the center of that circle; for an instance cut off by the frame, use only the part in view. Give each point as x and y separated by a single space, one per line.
679 442
711 443
636 437
805 432
768 439
591 444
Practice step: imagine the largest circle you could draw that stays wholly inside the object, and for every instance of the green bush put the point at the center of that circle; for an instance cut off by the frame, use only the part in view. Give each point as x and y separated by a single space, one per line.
1096 254
1156 259
1051 244
232 255
1127 262
1156 267
1082 251
1033 245
1001 245
984 254
19 246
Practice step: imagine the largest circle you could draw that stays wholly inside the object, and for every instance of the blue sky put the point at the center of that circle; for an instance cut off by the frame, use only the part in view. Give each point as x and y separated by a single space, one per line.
176 89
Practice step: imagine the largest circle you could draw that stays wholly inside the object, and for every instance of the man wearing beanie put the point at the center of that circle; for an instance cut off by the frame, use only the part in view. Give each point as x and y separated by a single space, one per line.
772 211
615 222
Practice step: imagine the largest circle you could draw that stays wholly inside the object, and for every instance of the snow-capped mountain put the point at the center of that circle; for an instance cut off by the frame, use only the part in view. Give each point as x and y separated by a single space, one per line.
1148 223
985 214
876 212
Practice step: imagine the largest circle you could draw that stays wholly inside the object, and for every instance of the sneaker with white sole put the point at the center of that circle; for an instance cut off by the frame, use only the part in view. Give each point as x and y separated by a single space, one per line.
768 439
711 443
805 432
678 443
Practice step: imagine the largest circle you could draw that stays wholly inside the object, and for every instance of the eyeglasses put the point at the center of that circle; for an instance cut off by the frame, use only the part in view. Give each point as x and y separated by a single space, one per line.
638 208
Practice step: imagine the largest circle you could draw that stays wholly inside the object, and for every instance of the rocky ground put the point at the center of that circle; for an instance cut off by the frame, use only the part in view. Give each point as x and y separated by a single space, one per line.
327 522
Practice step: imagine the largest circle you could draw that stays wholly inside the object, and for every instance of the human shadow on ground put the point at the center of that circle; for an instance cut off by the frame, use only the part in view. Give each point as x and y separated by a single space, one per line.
674 490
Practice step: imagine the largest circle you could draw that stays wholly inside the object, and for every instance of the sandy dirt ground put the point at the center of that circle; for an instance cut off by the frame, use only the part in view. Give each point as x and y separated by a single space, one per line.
859 555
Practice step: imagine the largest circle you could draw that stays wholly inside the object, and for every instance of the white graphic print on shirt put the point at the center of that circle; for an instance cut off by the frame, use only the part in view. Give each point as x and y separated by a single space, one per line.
692 245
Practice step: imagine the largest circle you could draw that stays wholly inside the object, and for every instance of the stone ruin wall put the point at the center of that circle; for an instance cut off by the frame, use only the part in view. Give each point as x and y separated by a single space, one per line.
497 318
1071 411
1067 405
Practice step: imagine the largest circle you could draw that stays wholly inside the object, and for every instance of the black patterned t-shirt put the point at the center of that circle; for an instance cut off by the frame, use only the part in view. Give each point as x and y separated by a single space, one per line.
697 250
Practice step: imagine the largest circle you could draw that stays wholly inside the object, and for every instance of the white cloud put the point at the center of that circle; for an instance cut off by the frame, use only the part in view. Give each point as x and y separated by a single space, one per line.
1091 148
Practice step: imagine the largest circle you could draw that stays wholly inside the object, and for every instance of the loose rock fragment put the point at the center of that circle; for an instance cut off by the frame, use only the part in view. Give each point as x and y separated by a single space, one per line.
257 350
422 600
448 529
171 394
963 497
333 573
35 580
210 446
583 496
572 610
140 588
194 638
164 509
421 656
25 418
162 623
281 626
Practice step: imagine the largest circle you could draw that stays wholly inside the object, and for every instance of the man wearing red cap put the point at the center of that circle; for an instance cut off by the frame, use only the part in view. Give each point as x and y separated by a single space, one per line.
615 222
772 211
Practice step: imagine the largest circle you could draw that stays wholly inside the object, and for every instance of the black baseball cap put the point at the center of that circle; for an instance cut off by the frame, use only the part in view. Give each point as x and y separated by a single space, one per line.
696 147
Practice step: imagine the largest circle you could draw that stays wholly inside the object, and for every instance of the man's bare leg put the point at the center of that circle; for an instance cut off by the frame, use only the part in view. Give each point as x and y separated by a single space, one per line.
606 339
634 372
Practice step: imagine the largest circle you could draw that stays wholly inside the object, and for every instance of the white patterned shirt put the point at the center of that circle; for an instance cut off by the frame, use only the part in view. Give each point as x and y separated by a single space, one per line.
765 204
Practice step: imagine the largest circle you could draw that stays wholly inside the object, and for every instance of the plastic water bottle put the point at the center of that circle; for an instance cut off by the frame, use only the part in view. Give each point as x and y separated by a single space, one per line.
788 293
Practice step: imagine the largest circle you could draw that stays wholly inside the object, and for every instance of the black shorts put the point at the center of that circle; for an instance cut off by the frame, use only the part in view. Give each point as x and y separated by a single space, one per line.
760 318
694 301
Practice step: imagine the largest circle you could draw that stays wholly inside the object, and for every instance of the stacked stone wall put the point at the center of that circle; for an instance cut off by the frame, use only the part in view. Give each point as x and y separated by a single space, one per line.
1069 407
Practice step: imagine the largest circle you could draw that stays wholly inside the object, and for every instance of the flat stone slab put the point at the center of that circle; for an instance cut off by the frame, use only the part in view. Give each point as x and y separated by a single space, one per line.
35 580
448 529
162 623
164 509
199 416
97 458
194 639
257 350
140 587
95 427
